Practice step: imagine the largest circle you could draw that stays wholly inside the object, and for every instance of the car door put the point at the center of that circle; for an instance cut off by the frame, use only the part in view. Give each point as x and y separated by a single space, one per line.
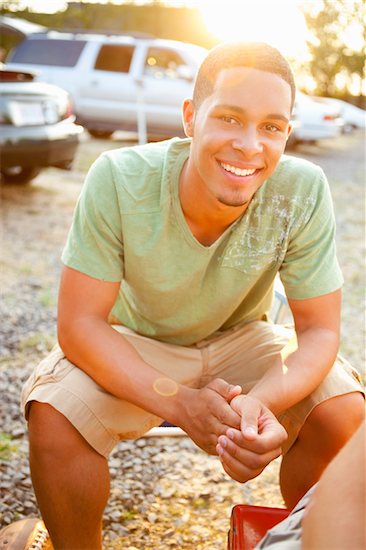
167 80
109 90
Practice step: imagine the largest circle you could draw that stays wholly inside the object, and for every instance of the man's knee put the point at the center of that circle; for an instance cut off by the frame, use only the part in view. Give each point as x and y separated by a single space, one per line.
335 420
346 411
50 431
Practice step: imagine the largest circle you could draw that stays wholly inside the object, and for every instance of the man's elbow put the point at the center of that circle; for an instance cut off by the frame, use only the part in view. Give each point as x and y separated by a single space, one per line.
331 338
326 340
73 331
64 334
70 332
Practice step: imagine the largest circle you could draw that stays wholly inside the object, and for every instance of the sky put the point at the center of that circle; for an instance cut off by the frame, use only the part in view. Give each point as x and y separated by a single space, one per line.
278 22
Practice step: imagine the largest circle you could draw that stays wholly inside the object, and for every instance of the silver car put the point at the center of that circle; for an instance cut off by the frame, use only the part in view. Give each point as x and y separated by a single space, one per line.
37 127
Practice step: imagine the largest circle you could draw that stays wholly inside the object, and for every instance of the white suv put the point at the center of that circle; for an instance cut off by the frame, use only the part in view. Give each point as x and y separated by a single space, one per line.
115 82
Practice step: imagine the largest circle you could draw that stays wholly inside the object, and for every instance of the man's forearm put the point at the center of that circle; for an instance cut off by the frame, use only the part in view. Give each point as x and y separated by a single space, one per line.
298 370
108 358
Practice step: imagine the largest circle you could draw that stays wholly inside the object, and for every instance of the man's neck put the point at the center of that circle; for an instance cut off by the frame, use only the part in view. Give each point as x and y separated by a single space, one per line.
206 217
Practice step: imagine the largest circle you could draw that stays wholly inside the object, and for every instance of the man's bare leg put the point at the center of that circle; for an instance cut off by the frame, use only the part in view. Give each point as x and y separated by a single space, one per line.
336 517
325 432
70 479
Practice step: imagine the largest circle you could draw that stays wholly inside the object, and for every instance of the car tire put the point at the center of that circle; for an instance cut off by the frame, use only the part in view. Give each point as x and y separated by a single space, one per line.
19 174
101 134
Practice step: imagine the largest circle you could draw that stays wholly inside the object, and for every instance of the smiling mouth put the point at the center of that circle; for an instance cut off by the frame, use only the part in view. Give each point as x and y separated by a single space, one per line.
238 171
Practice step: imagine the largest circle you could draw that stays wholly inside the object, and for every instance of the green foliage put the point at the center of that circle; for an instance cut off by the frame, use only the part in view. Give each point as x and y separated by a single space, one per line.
47 299
128 515
330 53
7 446
38 341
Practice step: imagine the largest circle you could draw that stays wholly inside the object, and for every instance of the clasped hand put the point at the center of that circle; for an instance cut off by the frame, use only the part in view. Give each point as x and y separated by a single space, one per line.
205 413
245 451
239 428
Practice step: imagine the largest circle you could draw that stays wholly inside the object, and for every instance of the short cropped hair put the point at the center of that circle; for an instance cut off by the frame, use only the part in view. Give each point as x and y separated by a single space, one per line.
255 55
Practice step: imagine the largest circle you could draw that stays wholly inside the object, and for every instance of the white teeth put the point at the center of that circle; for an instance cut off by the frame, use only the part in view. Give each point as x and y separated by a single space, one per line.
237 171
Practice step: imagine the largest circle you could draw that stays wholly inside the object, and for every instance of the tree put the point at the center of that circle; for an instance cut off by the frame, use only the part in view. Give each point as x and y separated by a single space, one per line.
337 60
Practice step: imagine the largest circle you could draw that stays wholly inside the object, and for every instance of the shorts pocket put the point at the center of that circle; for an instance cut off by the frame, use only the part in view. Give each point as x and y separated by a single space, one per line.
52 368
349 369
354 373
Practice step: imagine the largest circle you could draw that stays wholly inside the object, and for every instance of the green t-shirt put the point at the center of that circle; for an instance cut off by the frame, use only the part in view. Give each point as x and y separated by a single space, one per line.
129 226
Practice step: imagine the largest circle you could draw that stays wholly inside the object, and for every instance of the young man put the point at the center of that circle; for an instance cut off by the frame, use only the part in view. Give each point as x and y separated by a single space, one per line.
168 277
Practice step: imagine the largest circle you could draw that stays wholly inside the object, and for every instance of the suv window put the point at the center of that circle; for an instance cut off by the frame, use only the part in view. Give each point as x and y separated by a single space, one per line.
60 53
162 63
114 58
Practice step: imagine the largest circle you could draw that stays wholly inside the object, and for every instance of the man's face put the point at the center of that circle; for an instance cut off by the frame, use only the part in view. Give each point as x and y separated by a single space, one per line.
239 134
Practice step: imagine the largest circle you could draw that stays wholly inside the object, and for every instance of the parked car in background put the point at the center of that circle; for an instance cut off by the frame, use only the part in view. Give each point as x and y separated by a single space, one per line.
353 116
315 120
116 82
37 127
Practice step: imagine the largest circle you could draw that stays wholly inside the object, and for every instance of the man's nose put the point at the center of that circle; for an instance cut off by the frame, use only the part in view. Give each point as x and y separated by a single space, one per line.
248 141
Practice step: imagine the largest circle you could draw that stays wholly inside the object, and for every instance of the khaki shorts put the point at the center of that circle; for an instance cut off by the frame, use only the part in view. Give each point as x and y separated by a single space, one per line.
286 535
240 356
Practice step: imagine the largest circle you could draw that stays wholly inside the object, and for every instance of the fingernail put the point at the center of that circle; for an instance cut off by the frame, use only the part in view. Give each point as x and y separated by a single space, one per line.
250 430
223 442
220 450
230 434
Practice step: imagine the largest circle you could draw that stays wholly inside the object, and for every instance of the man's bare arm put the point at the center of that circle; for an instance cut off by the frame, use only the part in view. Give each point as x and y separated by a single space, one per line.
105 355
296 372
306 360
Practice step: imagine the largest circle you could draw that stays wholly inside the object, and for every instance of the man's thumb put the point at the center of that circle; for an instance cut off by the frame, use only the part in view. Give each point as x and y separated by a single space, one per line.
250 432
227 391
233 391
249 426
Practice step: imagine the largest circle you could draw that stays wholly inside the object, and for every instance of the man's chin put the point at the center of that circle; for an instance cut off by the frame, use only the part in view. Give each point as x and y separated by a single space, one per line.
234 202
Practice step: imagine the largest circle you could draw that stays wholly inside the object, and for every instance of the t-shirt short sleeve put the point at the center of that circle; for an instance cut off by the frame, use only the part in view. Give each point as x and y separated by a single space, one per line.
310 267
95 245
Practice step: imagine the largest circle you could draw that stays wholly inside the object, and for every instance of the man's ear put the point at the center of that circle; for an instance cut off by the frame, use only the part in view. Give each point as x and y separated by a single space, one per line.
188 117
289 130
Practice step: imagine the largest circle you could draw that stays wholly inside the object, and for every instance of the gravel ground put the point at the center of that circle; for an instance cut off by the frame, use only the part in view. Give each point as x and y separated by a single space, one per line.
165 492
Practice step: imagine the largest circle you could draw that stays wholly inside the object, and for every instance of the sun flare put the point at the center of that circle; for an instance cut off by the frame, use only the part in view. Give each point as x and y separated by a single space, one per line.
277 22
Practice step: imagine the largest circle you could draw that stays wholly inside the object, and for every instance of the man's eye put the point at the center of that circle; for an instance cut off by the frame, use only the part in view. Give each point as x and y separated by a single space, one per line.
229 119
272 128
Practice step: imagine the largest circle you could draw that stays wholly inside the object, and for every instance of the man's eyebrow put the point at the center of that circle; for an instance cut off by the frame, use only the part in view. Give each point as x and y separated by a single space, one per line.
278 117
240 111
